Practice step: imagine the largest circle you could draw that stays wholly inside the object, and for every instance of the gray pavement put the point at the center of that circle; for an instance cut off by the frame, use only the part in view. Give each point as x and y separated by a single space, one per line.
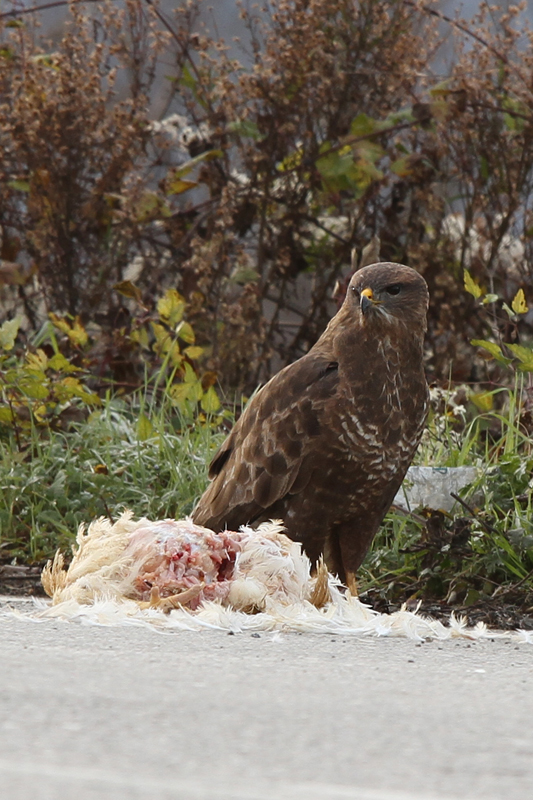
119 713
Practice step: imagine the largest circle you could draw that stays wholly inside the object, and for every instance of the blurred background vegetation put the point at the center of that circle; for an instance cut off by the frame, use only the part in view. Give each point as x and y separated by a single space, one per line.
177 219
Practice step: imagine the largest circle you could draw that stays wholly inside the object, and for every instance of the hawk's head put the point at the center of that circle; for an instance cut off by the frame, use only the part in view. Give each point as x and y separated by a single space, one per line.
389 292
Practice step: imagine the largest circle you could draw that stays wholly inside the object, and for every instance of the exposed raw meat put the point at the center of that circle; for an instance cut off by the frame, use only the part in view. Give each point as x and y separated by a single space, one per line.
171 563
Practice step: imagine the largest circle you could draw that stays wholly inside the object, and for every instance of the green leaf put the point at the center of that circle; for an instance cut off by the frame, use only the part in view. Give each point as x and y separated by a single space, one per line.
19 186
210 401
162 337
493 348
484 401
33 388
196 391
243 275
209 155
369 151
350 169
247 128
8 333
145 429
524 355
187 78
6 415
509 311
140 336
179 394
402 166
363 125
190 375
151 206
471 286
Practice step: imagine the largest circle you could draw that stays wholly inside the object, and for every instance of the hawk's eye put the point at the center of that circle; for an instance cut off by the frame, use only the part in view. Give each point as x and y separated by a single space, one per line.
394 288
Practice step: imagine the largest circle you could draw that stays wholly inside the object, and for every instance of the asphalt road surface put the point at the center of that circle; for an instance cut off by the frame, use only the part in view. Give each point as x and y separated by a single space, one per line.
91 713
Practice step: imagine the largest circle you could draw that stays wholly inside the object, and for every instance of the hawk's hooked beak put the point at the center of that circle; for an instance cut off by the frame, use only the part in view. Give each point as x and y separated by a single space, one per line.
367 300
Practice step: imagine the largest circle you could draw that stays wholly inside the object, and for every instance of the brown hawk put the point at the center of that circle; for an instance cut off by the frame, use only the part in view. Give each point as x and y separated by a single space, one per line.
325 444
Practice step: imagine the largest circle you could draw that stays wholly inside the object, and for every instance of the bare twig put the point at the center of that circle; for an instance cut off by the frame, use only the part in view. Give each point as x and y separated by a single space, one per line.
19 12
473 35
488 528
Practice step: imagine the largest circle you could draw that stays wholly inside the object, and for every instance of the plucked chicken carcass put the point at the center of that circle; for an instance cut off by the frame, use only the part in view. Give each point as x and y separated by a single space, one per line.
175 563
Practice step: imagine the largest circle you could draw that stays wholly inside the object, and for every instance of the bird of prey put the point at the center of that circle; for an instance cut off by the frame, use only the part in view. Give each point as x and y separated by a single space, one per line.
325 444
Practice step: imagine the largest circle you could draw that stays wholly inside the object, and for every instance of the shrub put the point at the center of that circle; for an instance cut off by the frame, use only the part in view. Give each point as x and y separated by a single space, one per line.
263 173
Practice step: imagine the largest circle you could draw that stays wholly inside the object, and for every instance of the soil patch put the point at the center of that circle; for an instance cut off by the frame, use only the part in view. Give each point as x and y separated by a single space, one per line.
503 614
21 579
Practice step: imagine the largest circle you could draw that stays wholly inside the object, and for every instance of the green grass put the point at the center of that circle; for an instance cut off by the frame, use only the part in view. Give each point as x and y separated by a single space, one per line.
124 456
484 548
138 453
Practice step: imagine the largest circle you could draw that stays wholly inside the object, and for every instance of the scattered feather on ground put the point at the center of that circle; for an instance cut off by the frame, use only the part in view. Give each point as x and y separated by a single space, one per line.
173 575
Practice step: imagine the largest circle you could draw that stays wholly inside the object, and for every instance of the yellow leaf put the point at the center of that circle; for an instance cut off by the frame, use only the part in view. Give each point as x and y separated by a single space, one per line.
145 429
37 361
171 306
141 337
471 286
8 333
179 394
59 323
402 166
128 289
78 335
210 402
151 206
194 352
179 186
294 160
196 391
493 348
190 375
59 363
209 155
185 332
524 355
67 388
75 332
101 469
175 355
519 304
6 415
484 401
162 338
39 412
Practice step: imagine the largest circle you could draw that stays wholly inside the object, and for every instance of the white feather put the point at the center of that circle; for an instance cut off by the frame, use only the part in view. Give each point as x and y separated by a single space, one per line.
271 577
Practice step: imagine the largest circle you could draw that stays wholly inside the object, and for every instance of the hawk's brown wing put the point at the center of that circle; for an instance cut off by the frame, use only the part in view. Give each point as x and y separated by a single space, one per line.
266 455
